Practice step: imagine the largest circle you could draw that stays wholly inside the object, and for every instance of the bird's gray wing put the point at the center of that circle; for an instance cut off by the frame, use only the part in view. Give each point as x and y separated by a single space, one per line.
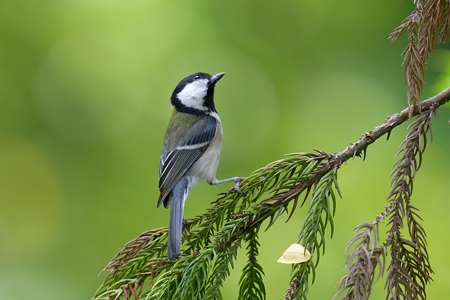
177 161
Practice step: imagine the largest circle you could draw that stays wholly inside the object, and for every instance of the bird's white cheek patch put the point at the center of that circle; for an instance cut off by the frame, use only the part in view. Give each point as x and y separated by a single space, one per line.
192 95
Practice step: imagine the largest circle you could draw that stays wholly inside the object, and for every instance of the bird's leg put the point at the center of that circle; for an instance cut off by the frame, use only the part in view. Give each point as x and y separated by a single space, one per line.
237 180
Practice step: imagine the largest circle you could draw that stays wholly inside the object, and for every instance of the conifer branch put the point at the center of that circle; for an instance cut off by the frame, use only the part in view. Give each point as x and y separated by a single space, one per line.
212 239
427 25
409 271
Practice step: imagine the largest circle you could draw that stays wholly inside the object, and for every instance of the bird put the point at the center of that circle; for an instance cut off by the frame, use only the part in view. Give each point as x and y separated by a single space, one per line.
191 149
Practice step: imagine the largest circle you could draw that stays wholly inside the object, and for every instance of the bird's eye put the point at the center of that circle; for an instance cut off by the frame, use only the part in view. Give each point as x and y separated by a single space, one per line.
197 77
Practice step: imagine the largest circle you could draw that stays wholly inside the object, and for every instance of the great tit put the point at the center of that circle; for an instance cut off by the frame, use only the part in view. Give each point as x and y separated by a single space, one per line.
191 151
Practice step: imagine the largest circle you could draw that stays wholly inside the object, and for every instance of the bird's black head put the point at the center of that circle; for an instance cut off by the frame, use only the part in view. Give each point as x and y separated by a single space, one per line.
195 93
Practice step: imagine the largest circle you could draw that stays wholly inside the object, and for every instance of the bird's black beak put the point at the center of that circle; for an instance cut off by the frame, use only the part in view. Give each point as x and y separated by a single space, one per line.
216 78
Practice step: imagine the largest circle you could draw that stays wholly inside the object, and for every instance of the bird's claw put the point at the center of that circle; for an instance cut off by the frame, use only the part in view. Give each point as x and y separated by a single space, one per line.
185 223
236 186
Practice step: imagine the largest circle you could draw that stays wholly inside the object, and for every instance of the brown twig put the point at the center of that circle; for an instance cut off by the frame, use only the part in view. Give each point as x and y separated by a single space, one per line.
361 146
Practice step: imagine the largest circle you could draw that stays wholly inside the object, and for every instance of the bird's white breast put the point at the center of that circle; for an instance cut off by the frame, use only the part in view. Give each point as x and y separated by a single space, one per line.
206 166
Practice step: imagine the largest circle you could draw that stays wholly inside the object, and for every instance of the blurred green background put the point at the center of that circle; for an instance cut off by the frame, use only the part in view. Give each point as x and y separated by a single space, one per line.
84 102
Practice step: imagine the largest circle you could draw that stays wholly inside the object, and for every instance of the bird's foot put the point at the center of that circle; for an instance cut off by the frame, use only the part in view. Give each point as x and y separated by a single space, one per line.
237 181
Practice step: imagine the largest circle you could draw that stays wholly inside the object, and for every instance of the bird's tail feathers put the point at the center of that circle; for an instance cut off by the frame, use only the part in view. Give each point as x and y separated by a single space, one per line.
178 198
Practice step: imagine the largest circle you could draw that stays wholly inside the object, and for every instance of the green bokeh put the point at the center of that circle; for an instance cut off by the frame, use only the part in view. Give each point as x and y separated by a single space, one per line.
84 89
